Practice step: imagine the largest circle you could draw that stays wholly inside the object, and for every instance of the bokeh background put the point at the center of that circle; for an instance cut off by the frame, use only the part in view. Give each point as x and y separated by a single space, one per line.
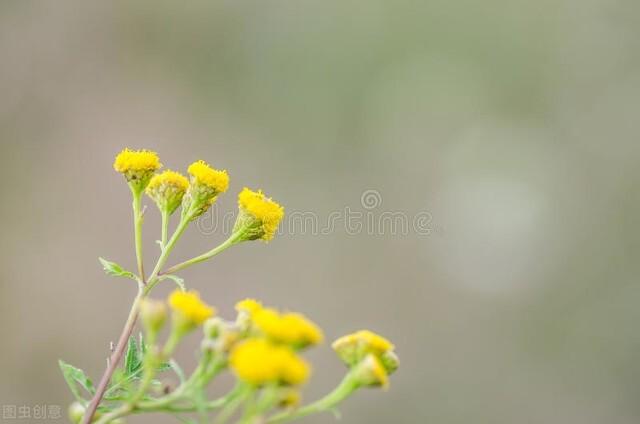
513 124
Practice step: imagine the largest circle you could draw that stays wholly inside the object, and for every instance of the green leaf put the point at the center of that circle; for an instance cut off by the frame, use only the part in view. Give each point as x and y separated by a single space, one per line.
115 270
132 359
76 377
179 281
178 370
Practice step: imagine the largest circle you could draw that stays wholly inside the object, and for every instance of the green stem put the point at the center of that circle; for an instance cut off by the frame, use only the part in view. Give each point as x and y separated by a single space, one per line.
137 226
165 228
153 279
235 238
243 392
346 387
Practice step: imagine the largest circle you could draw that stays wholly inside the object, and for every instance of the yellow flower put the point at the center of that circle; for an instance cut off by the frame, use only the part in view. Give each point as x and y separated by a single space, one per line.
137 166
353 348
167 190
289 328
189 309
259 215
249 306
204 174
206 184
258 361
136 160
371 341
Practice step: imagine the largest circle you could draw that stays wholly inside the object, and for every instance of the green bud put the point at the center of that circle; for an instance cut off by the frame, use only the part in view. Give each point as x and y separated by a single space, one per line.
153 314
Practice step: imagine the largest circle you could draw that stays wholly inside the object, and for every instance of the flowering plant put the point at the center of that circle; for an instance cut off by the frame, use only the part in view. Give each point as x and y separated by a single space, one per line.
261 346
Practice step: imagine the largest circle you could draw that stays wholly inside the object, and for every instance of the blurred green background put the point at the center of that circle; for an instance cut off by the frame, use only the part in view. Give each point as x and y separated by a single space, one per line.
512 124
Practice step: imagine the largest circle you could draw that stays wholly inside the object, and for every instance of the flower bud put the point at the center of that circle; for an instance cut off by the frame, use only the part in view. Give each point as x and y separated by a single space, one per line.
259 216
153 314
167 189
76 412
212 327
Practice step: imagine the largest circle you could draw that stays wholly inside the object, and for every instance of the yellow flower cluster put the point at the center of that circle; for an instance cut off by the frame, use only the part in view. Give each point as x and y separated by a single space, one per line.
371 355
189 307
136 161
259 361
289 328
204 174
167 189
266 213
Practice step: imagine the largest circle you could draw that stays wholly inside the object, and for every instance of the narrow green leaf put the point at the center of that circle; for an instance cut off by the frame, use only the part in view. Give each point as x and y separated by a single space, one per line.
76 378
178 370
115 270
132 359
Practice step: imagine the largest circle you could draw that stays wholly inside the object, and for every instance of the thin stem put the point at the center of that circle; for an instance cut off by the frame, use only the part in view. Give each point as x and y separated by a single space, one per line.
235 238
153 280
233 404
137 226
346 387
114 359
165 227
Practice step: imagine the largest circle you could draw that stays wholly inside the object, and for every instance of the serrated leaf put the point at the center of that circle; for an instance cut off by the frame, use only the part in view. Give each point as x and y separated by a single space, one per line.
115 270
179 281
132 359
75 379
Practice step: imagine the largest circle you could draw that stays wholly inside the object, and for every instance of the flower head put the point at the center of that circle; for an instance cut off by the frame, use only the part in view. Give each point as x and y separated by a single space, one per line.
259 215
137 166
206 184
204 174
289 328
167 190
258 361
369 355
249 306
189 310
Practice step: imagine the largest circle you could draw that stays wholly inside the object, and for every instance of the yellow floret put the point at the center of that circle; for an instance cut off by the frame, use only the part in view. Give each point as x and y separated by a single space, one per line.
366 340
168 178
258 361
204 174
263 209
190 306
289 328
249 306
136 161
